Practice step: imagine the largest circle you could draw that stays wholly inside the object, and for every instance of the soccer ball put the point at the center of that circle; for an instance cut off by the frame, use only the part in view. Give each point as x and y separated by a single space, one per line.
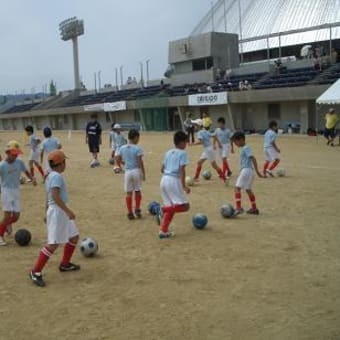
281 172
88 247
199 221
111 161
206 174
189 181
227 211
117 170
22 180
22 237
154 208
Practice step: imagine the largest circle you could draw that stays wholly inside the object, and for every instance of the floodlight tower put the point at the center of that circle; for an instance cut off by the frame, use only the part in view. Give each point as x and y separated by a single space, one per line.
71 29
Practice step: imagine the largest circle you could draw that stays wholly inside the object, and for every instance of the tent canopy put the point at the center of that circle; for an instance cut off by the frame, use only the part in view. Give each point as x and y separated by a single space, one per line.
331 96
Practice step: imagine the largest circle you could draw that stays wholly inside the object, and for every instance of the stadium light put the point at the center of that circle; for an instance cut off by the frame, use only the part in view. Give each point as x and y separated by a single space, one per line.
71 29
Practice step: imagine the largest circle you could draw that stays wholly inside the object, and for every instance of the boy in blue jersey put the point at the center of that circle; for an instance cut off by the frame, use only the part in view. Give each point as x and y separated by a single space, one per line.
204 137
118 140
61 228
271 150
131 155
222 137
10 171
173 186
34 153
246 177
48 145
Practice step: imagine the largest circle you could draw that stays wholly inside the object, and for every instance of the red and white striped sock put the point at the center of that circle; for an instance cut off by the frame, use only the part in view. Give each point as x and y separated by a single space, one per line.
44 255
238 200
68 252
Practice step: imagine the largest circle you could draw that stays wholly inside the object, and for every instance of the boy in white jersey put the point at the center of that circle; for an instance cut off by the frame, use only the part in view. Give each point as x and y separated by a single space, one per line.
117 140
48 145
10 171
34 153
61 228
131 155
222 137
173 186
271 150
246 177
204 137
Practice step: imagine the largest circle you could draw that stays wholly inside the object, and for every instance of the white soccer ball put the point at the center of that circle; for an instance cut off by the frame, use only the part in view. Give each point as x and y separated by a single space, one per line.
189 181
88 247
281 172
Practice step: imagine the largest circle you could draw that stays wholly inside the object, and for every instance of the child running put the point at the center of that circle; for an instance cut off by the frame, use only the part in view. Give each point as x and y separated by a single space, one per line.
48 145
271 150
94 138
34 154
246 177
61 228
204 137
10 171
118 141
222 137
131 155
173 186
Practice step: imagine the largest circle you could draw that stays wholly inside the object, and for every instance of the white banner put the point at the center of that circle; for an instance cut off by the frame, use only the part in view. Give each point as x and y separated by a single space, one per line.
94 107
206 99
117 106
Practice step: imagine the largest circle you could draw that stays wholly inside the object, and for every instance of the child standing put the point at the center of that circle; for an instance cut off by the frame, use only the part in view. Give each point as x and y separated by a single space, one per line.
246 177
61 228
222 137
173 186
271 150
48 145
119 141
94 138
132 156
204 138
10 171
34 154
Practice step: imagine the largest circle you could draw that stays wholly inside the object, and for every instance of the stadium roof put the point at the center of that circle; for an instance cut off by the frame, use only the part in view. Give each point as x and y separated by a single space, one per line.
265 17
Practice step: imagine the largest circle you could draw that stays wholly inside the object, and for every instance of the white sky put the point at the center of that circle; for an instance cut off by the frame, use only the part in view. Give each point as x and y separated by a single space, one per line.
117 33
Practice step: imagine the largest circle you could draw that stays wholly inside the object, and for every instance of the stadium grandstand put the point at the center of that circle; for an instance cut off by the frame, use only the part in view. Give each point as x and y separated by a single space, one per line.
251 60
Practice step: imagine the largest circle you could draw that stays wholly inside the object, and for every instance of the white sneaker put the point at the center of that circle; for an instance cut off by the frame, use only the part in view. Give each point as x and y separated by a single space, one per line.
2 242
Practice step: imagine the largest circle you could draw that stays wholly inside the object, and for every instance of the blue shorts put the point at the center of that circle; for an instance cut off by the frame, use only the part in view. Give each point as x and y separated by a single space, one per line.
329 133
94 146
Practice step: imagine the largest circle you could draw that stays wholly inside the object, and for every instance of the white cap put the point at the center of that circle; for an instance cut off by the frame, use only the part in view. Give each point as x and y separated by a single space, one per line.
117 126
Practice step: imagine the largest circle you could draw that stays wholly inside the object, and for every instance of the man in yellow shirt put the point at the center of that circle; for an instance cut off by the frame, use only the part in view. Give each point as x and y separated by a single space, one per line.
207 122
331 122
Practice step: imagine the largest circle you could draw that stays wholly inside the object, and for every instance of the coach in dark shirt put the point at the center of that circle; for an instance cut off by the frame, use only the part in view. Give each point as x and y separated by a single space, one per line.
94 138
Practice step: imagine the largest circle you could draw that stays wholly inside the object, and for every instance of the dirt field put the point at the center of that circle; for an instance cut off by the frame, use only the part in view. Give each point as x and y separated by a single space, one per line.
274 276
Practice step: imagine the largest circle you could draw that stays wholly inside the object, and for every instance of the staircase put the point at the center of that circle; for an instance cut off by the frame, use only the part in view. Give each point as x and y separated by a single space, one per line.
325 77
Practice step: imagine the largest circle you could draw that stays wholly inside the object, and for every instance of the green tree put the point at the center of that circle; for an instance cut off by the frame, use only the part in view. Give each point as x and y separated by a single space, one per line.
53 88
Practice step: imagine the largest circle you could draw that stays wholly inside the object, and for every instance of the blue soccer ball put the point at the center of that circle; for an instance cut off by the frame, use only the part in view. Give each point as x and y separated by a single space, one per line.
154 208
200 221
206 174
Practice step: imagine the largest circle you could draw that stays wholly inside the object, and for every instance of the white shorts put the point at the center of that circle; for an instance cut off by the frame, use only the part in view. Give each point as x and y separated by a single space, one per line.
271 154
47 167
225 151
10 199
209 154
172 191
59 227
133 180
34 156
245 179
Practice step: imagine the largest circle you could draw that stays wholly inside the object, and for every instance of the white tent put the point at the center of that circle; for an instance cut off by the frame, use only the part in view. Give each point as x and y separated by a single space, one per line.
331 96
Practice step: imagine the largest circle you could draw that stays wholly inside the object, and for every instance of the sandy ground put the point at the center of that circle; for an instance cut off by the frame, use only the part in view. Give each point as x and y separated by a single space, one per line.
274 276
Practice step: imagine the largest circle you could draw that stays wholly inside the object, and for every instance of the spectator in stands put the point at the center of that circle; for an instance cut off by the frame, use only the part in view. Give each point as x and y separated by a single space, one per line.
218 74
331 123
241 86
189 127
278 66
247 85
227 74
334 56
230 86
94 138
209 89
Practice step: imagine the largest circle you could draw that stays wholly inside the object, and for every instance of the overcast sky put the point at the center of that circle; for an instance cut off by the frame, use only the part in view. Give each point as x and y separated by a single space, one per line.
117 32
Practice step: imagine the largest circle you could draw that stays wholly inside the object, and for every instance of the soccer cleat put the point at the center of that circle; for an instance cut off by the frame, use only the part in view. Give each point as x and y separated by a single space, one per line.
253 211
229 173
2 242
238 212
169 234
270 173
69 267
138 213
37 279
130 216
159 216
